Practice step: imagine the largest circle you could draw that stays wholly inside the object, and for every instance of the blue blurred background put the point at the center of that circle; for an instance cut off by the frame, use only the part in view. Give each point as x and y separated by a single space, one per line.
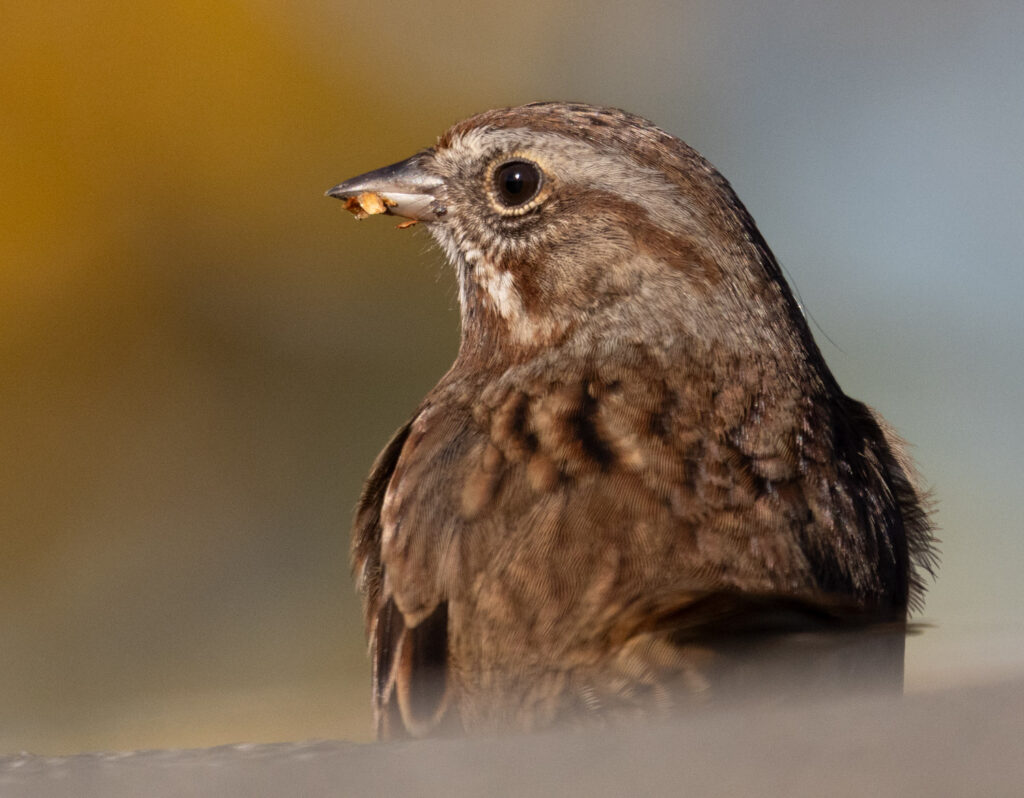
200 355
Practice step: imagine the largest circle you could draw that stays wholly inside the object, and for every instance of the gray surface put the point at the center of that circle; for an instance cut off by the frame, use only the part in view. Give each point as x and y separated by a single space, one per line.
966 741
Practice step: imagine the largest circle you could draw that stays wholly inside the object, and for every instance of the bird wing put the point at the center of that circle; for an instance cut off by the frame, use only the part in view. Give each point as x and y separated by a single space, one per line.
383 628
407 660
401 528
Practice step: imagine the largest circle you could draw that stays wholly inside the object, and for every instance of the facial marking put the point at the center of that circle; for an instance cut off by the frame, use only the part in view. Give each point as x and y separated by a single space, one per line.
506 272
502 293
570 161
502 289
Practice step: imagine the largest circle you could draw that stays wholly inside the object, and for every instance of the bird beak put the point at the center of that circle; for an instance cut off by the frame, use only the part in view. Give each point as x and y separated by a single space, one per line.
405 188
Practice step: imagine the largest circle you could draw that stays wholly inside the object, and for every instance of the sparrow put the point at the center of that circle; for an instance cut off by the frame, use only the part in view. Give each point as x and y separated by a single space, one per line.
639 461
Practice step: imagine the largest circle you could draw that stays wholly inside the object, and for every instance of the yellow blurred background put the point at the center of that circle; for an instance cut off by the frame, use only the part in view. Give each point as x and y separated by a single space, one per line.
200 355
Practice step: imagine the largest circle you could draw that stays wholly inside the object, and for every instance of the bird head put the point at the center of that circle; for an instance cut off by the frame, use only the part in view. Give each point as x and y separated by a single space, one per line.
578 226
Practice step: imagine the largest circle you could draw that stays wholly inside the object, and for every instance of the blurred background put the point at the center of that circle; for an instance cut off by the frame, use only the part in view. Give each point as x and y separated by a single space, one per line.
200 355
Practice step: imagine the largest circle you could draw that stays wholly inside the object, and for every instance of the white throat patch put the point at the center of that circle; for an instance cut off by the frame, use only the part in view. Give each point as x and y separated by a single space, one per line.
499 290
499 285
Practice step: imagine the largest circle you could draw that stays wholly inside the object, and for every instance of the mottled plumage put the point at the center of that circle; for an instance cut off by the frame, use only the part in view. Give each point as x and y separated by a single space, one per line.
638 452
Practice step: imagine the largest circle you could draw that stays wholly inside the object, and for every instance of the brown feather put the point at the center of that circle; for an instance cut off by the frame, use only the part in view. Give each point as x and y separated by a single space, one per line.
639 479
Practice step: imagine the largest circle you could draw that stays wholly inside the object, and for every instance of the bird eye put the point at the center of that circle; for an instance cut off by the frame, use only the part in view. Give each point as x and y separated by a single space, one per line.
517 182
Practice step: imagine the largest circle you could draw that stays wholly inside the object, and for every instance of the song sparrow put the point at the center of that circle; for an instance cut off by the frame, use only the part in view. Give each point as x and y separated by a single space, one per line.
638 453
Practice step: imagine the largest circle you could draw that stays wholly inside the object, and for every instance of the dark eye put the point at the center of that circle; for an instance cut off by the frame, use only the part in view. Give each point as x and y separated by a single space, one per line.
517 182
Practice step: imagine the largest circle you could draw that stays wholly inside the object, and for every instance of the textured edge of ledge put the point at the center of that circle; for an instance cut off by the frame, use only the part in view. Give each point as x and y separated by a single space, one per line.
951 742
